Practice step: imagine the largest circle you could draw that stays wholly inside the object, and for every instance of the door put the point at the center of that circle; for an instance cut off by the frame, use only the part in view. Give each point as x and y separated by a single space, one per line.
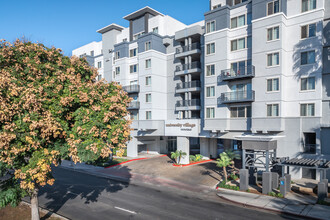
171 144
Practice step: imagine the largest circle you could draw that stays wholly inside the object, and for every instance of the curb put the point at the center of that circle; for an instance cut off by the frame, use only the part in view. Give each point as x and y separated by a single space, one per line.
143 158
266 209
52 214
199 162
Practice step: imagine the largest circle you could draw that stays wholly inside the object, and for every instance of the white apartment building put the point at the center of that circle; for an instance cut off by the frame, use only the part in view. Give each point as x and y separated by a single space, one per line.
253 71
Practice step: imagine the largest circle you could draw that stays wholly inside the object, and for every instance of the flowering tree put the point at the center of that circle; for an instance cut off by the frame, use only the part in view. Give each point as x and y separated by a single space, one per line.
51 108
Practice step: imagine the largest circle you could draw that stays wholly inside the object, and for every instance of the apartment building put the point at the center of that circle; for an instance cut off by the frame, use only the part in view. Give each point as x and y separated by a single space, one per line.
252 70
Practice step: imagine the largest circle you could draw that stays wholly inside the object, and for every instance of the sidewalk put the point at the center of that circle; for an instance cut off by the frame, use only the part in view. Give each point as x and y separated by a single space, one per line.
297 205
125 175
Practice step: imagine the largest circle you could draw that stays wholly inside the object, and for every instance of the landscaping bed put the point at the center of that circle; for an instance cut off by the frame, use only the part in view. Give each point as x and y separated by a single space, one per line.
22 212
107 163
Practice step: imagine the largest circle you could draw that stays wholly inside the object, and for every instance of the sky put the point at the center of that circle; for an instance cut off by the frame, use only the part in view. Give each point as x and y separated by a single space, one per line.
69 24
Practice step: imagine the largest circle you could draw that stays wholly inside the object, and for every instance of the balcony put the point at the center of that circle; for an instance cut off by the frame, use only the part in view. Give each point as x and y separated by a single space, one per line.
132 88
194 48
241 73
236 96
133 105
186 105
193 86
194 67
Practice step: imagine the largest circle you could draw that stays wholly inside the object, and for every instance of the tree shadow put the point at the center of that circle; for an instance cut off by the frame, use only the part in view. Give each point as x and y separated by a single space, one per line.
72 185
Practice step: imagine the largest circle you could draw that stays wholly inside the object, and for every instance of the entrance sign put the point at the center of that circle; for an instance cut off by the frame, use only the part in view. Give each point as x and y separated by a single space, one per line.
188 128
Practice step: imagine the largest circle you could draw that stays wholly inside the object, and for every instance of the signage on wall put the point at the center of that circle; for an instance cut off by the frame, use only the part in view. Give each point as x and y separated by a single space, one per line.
182 127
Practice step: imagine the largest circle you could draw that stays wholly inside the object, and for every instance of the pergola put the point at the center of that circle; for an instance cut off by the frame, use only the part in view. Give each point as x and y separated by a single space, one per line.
318 164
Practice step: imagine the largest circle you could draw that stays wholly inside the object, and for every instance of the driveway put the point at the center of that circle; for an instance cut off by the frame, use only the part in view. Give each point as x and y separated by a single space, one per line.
205 174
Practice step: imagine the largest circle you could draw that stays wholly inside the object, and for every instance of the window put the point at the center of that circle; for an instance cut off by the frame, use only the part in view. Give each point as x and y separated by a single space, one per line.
307 109
148 63
148 45
82 55
117 70
148 80
132 52
235 2
210 70
210 26
92 53
210 48
238 44
148 115
99 77
272 110
134 115
307 84
210 113
307 5
148 98
155 30
134 82
99 64
216 6
133 68
273 7
273 59
240 112
125 40
237 22
117 55
136 36
307 57
310 143
272 85
273 33
240 67
308 31
210 91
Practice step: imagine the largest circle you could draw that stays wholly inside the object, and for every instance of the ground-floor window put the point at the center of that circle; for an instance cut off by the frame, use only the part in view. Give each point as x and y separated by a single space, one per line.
194 146
308 173
171 144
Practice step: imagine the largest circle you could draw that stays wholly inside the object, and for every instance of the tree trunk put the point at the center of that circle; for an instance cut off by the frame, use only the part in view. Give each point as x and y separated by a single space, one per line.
225 174
35 205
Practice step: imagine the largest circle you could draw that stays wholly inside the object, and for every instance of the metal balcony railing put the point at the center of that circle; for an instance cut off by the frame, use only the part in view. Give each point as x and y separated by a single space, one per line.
187 103
310 148
188 66
186 85
134 105
237 96
132 88
190 47
242 72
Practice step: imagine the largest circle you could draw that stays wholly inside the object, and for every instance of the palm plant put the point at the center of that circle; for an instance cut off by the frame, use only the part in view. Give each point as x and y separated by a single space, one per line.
232 155
224 161
177 155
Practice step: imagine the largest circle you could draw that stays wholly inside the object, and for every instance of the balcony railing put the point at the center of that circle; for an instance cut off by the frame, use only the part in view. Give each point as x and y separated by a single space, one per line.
188 66
237 96
187 85
310 148
187 103
132 88
133 105
190 47
246 71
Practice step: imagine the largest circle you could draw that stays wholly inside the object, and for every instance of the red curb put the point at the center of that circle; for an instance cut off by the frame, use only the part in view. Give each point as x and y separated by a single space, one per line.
143 158
185 165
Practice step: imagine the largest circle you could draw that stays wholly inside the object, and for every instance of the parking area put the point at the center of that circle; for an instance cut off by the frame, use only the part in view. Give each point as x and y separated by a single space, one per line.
206 174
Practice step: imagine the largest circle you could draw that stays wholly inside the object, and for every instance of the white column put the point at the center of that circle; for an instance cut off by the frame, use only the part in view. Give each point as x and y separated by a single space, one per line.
205 147
213 148
189 40
186 42
183 145
132 148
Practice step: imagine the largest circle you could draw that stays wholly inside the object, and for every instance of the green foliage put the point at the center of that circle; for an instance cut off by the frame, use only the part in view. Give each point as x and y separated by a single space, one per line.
192 158
233 177
274 194
224 160
199 157
225 186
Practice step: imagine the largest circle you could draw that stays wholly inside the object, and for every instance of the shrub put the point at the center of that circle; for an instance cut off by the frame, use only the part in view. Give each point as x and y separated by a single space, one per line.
192 158
225 186
272 194
198 157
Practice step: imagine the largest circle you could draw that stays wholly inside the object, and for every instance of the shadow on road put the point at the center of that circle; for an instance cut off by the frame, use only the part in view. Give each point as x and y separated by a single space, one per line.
70 185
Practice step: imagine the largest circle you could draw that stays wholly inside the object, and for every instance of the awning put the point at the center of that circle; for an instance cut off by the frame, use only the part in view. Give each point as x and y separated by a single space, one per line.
258 137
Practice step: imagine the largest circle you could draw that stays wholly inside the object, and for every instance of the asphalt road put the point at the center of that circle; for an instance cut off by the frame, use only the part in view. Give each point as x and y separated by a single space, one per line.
81 196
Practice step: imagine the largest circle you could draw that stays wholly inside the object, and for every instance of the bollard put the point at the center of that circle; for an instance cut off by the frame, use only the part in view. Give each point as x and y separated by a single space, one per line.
275 180
322 191
288 182
283 186
266 182
243 179
326 182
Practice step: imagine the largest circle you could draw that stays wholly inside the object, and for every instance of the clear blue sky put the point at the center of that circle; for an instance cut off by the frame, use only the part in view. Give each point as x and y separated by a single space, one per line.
68 24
